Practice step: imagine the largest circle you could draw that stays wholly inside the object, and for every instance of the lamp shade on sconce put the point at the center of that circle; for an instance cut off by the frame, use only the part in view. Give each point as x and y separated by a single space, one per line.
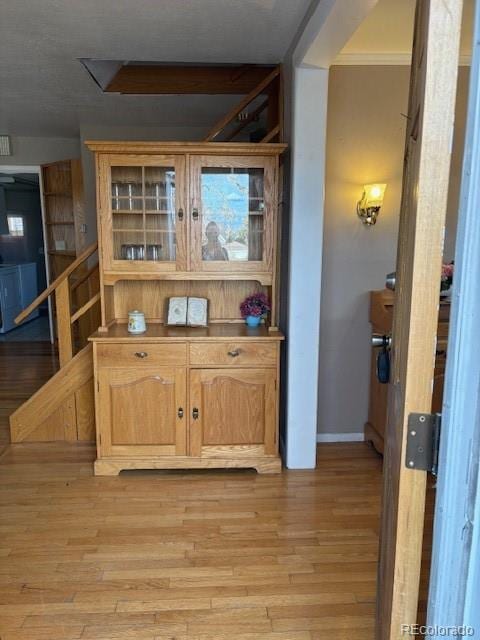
374 194
368 207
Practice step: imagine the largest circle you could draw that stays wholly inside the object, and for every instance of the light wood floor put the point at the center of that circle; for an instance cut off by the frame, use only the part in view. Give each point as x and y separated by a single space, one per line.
198 556
177 555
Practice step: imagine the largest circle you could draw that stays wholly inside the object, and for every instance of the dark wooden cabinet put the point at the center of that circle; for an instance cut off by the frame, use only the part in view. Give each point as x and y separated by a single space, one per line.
381 318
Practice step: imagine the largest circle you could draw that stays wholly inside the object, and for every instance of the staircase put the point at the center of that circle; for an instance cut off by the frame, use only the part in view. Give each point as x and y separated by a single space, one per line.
63 409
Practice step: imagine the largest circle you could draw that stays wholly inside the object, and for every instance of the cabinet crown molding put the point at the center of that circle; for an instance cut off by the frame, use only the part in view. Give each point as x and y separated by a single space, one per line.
210 148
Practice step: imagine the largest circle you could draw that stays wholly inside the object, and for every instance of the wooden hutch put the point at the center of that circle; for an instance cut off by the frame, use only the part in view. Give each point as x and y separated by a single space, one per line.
185 397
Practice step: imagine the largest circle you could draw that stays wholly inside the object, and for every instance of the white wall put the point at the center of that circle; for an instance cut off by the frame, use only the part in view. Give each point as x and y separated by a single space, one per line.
327 27
306 221
34 151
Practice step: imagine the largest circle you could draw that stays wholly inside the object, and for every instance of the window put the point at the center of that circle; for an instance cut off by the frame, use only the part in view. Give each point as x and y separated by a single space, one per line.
15 225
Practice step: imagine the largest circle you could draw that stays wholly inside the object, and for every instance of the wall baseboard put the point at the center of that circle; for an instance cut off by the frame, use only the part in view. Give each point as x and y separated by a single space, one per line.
340 437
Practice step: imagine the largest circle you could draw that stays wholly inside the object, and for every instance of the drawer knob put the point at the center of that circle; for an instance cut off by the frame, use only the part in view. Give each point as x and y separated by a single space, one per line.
235 353
195 413
180 412
141 354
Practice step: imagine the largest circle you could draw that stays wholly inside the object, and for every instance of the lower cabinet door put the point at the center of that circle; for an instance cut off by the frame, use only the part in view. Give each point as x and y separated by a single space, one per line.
233 412
143 411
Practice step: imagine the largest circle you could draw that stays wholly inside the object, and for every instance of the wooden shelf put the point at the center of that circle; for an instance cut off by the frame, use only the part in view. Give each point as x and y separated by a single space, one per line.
128 270
157 331
62 253
136 212
145 230
64 213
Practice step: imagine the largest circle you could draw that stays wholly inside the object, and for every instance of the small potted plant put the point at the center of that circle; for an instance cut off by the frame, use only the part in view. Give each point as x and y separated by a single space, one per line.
447 279
254 308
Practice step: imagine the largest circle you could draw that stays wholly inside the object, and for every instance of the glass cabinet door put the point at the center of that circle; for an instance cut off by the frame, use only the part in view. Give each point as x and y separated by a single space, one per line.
232 216
146 205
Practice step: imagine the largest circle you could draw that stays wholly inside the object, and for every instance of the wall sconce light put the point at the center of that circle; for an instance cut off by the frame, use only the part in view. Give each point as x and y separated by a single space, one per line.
368 207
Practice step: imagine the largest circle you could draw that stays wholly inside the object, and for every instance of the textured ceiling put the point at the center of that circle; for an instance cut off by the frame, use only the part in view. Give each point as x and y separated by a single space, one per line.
46 91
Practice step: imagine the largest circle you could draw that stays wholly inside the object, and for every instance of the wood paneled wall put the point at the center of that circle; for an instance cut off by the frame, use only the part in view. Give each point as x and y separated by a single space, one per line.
151 296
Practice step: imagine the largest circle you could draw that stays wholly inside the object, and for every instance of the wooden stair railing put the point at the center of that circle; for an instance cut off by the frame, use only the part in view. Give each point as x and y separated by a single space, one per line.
272 85
65 315
63 409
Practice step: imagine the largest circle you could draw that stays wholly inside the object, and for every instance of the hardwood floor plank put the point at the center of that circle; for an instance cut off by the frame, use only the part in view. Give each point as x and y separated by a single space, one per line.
282 600
156 593
67 632
269 635
34 363
211 555
215 555
164 605
87 617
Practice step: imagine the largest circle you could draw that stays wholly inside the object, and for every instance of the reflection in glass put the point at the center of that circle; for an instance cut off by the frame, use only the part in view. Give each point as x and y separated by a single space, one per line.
232 207
213 249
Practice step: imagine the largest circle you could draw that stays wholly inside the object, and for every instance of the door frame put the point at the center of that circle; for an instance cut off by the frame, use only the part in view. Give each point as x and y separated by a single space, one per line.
323 33
37 169
456 540
327 27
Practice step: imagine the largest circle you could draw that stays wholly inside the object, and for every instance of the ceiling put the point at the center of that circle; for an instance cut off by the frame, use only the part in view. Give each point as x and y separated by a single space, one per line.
385 36
47 92
22 181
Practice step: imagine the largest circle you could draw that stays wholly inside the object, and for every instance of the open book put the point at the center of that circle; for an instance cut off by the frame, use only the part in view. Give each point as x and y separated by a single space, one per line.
190 312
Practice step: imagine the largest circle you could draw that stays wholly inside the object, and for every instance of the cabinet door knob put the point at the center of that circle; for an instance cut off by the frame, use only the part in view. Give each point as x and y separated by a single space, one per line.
195 413
141 354
180 412
180 214
195 213
235 353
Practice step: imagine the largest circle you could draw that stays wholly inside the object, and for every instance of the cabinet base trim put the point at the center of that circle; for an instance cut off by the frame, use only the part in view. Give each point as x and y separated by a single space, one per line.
372 435
113 466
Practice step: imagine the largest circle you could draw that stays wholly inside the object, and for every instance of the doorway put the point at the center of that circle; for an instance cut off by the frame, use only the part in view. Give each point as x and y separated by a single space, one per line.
23 265
343 360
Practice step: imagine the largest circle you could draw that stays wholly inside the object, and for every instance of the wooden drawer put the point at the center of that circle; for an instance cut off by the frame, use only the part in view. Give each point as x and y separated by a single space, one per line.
233 353
138 354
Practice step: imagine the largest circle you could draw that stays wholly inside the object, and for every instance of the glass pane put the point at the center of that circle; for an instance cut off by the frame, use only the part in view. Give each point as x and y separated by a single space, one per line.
127 189
143 213
160 214
233 214
160 188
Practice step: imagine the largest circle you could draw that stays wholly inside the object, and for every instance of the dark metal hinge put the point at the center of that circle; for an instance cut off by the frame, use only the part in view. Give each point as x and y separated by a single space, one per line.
423 441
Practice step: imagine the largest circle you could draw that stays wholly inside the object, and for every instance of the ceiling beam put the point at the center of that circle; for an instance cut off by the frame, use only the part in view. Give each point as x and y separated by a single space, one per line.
183 79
